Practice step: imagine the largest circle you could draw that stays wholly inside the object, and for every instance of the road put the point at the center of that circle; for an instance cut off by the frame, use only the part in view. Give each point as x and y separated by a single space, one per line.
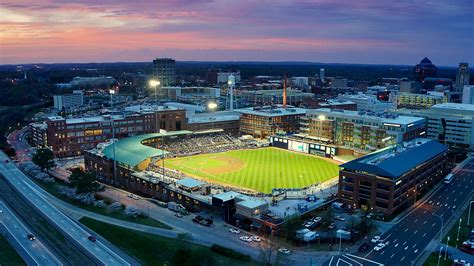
31 191
412 234
34 252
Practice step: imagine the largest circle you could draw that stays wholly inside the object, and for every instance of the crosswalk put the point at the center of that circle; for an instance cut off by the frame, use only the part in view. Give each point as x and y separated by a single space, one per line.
351 260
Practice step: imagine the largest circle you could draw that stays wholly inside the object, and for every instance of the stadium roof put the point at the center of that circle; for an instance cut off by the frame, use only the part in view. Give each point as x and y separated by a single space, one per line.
393 162
131 151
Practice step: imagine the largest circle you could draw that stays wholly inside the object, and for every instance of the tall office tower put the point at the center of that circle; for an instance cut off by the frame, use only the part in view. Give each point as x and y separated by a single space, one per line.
425 69
164 70
462 77
468 94
321 74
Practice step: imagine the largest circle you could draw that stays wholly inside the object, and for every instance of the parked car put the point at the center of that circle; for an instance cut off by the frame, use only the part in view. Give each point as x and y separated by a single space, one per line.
256 239
284 251
92 238
332 226
234 231
375 239
31 237
339 218
364 247
179 215
379 246
246 238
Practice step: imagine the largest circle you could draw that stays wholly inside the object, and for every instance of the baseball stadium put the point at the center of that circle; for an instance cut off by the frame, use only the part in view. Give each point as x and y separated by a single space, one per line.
224 160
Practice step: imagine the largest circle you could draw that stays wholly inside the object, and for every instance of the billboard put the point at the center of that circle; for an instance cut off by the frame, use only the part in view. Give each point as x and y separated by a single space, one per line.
298 146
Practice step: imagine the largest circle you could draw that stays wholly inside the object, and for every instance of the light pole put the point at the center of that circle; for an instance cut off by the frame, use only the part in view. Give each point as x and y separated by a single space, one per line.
446 252
212 106
112 92
154 83
469 214
439 255
459 228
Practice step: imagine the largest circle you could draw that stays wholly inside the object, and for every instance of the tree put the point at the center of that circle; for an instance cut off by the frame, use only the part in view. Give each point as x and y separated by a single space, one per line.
269 254
83 182
43 158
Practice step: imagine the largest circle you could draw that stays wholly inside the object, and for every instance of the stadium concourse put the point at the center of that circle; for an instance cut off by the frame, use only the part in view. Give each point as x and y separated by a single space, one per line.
300 180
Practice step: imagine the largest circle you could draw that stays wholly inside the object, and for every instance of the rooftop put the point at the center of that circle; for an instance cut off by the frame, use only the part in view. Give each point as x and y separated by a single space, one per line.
382 117
394 161
213 117
190 183
454 106
251 203
272 111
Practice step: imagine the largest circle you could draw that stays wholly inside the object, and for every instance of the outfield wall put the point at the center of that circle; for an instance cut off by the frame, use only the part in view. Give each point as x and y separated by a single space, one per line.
302 146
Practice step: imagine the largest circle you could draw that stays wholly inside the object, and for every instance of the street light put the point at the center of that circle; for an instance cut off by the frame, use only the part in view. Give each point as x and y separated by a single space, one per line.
212 106
446 252
439 255
459 228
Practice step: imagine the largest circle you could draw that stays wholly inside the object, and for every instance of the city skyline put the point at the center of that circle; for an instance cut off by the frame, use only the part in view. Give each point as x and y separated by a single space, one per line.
365 32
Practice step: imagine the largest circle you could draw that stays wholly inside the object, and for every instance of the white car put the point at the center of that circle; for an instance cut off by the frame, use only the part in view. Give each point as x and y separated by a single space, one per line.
246 239
379 246
256 239
317 219
375 239
284 251
340 218
234 231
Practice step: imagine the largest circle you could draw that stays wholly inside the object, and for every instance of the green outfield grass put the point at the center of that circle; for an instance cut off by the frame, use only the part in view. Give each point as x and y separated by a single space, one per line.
258 169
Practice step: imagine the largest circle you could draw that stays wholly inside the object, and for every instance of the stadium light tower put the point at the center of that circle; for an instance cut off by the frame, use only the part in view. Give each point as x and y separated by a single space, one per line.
155 83
112 92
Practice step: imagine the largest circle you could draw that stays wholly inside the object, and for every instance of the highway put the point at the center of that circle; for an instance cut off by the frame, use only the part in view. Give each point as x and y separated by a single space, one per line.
33 252
32 193
412 234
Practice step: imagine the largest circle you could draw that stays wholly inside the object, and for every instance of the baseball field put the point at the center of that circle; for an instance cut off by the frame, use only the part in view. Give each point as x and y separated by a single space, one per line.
257 169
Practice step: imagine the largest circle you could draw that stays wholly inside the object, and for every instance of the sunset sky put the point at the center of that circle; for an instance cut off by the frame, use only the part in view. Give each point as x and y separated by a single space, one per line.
339 31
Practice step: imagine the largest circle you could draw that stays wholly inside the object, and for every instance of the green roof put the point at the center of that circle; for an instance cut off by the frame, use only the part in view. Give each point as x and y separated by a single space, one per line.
131 151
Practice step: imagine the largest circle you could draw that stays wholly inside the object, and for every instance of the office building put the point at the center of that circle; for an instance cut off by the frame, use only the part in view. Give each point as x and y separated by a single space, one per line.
105 81
269 97
335 104
425 69
69 101
468 94
338 83
71 136
367 103
405 85
191 94
223 77
226 121
299 81
38 133
462 76
392 179
417 101
164 70
322 75
362 131
449 123
262 122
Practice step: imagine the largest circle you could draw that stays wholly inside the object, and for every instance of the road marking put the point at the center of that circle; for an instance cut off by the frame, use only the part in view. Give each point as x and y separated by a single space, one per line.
396 245
424 234
404 243
402 258
352 260
416 231
425 211
414 246
425 222
381 253
433 224
416 220
392 255
416 250
331 260
406 230
354 256
406 248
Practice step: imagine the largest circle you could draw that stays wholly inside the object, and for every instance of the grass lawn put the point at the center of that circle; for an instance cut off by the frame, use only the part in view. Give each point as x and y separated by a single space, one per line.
258 169
156 250
52 188
433 260
8 255
463 232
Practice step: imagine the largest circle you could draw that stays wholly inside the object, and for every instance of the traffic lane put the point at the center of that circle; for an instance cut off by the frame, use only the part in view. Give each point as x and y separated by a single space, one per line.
443 203
27 187
35 249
